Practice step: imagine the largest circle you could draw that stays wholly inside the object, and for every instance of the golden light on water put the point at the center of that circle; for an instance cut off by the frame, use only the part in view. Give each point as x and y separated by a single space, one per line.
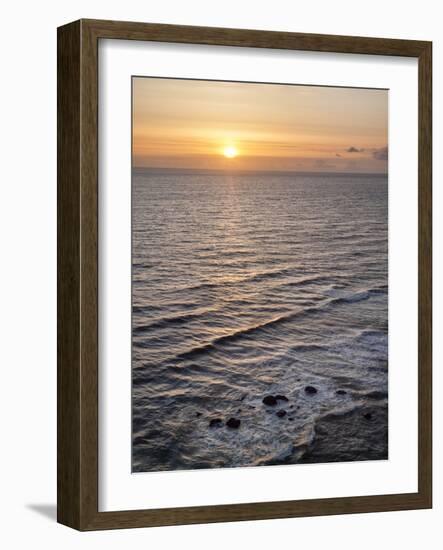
230 152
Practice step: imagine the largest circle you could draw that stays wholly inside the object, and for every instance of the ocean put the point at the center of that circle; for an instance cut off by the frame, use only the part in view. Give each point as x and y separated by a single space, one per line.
253 285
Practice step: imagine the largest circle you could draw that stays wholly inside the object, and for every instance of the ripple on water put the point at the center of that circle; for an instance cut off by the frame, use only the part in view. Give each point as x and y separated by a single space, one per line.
254 288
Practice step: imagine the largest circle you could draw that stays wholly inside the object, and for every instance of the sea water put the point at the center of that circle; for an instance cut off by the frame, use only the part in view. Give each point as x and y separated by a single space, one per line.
247 285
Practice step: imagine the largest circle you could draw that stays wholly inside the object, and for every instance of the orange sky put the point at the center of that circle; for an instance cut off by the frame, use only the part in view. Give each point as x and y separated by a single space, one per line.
188 123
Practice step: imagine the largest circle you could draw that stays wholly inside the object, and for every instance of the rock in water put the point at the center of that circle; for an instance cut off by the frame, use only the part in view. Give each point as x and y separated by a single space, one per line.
368 416
233 423
320 430
341 392
281 413
310 390
281 398
216 423
270 400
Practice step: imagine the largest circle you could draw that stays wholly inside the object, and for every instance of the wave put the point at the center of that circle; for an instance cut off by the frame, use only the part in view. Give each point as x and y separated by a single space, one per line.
257 328
167 321
359 296
231 337
251 278
162 306
315 279
256 277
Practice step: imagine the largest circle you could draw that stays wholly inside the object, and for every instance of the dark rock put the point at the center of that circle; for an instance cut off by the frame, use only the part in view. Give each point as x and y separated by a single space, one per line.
290 418
368 416
197 414
243 397
341 392
349 436
281 413
310 390
238 411
270 400
215 423
281 398
291 406
376 395
233 423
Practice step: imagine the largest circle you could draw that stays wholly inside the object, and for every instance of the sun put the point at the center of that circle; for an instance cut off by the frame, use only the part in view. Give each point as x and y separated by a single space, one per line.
230 152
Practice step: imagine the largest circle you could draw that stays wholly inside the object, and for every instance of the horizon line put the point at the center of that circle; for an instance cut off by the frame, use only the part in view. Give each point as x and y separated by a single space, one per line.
165 169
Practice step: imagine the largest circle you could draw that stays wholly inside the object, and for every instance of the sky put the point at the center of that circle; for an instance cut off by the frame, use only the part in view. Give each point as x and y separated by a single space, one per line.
195 124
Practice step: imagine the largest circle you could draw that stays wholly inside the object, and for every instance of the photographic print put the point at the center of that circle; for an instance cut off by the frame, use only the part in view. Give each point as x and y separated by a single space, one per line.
259 274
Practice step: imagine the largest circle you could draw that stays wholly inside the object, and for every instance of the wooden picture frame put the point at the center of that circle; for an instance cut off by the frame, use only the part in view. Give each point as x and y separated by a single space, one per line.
78 274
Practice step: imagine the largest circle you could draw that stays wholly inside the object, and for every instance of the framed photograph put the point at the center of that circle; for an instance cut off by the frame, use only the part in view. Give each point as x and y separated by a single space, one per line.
244 275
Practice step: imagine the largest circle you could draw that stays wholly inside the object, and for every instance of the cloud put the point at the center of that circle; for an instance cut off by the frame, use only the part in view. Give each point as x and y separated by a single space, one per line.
353 149
381 154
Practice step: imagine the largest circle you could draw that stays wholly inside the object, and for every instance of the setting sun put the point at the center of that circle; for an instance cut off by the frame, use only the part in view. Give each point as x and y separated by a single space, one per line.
230 152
